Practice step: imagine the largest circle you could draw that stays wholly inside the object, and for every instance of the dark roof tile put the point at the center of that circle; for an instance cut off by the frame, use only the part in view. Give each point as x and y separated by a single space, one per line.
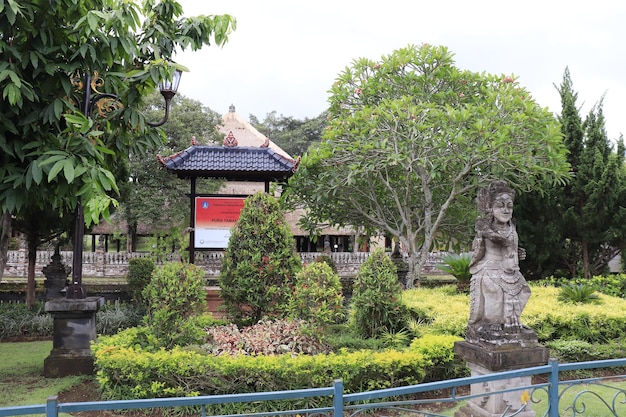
236 163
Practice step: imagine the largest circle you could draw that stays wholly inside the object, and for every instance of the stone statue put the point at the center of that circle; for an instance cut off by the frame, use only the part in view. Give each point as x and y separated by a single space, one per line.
498 291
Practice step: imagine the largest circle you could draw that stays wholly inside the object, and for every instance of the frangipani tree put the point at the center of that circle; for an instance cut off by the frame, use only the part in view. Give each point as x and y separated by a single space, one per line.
412 136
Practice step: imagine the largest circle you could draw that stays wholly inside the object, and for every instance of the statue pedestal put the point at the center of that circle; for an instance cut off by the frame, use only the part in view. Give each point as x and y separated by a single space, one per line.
74 329
483 360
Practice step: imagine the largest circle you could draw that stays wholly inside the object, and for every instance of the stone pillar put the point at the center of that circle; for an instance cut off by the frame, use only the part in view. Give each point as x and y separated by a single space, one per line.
74 329
484 360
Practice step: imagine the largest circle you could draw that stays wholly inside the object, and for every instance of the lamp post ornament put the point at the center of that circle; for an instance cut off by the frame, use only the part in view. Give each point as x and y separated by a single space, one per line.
89 101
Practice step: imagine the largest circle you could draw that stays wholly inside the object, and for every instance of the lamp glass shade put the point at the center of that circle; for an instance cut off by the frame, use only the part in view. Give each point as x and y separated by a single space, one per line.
171 86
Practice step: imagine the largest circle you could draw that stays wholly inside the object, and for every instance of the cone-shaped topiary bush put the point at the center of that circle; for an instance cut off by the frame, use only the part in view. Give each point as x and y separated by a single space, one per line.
139 274
259 264
175 296
376 306
317 295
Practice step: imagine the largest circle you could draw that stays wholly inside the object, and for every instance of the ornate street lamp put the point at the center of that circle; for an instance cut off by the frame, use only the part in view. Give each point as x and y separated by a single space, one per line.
94 100
168 89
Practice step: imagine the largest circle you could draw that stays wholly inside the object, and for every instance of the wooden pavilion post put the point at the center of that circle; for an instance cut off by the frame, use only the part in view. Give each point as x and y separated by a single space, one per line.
192 215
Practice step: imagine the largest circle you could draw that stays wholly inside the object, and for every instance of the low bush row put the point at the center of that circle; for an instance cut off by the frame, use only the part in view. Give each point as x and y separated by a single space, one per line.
611 284
128 370
19 321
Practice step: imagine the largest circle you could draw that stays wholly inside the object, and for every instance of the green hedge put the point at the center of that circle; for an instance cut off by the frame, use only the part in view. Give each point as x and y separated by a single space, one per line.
125 370
129 368
593 323
446 312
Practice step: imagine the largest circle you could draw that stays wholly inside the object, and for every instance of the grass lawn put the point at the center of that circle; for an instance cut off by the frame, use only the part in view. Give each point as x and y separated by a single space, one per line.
21 374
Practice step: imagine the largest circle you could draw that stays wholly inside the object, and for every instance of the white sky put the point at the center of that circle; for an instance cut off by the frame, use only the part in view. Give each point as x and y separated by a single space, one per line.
286 54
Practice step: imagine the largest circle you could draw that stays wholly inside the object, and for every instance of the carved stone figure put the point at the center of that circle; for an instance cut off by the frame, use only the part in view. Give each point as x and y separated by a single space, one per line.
498 291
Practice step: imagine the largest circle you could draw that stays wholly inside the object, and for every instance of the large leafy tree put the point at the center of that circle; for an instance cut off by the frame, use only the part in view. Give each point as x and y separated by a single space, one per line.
411 137
52 154
587 226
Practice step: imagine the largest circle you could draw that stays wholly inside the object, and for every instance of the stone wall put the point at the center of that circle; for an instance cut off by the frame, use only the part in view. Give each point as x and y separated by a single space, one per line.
115 264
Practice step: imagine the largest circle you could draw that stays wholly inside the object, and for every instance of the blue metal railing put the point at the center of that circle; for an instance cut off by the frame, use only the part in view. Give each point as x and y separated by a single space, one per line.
404 399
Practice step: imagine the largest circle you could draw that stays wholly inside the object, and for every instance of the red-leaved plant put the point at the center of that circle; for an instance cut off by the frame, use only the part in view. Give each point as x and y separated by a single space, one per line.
267 337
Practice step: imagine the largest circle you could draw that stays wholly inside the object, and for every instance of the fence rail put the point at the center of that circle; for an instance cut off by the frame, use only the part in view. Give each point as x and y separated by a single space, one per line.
404 399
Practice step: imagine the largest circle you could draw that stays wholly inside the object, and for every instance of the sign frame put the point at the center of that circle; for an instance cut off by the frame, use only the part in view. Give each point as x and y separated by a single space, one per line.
214 216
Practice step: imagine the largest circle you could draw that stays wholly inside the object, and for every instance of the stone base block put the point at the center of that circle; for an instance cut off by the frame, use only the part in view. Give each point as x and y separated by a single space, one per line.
74 330
60 365
502 358
483 360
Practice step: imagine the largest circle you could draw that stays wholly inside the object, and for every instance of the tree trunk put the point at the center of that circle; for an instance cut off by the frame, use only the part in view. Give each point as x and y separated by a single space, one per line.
5 237
131 242
585 250
411 275
30 286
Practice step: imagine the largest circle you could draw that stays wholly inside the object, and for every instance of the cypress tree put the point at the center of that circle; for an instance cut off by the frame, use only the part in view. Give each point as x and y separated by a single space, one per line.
580 226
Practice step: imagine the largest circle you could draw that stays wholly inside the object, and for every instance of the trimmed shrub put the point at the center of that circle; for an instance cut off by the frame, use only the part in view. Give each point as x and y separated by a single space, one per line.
376 305
593 323
327 260
175 295
445 364
259 264
126 371
442 310
316 295
139 274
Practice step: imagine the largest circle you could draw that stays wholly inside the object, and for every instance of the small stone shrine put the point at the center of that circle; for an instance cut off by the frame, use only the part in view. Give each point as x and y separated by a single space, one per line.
56 273
74 322
74 329
496 340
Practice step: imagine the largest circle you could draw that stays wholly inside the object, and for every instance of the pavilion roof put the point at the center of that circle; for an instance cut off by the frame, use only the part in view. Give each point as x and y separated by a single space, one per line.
231 163
246 155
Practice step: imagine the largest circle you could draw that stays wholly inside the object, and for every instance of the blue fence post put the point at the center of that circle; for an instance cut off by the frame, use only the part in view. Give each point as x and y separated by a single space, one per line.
338 398
553 389
52 406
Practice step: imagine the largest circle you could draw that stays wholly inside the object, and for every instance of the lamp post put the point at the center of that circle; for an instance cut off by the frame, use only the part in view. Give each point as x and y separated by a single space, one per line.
93 100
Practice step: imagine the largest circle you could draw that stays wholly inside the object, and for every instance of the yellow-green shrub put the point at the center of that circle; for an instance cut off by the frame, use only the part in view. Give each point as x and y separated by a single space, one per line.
594 323
448 312
125 370
443 308
439 349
